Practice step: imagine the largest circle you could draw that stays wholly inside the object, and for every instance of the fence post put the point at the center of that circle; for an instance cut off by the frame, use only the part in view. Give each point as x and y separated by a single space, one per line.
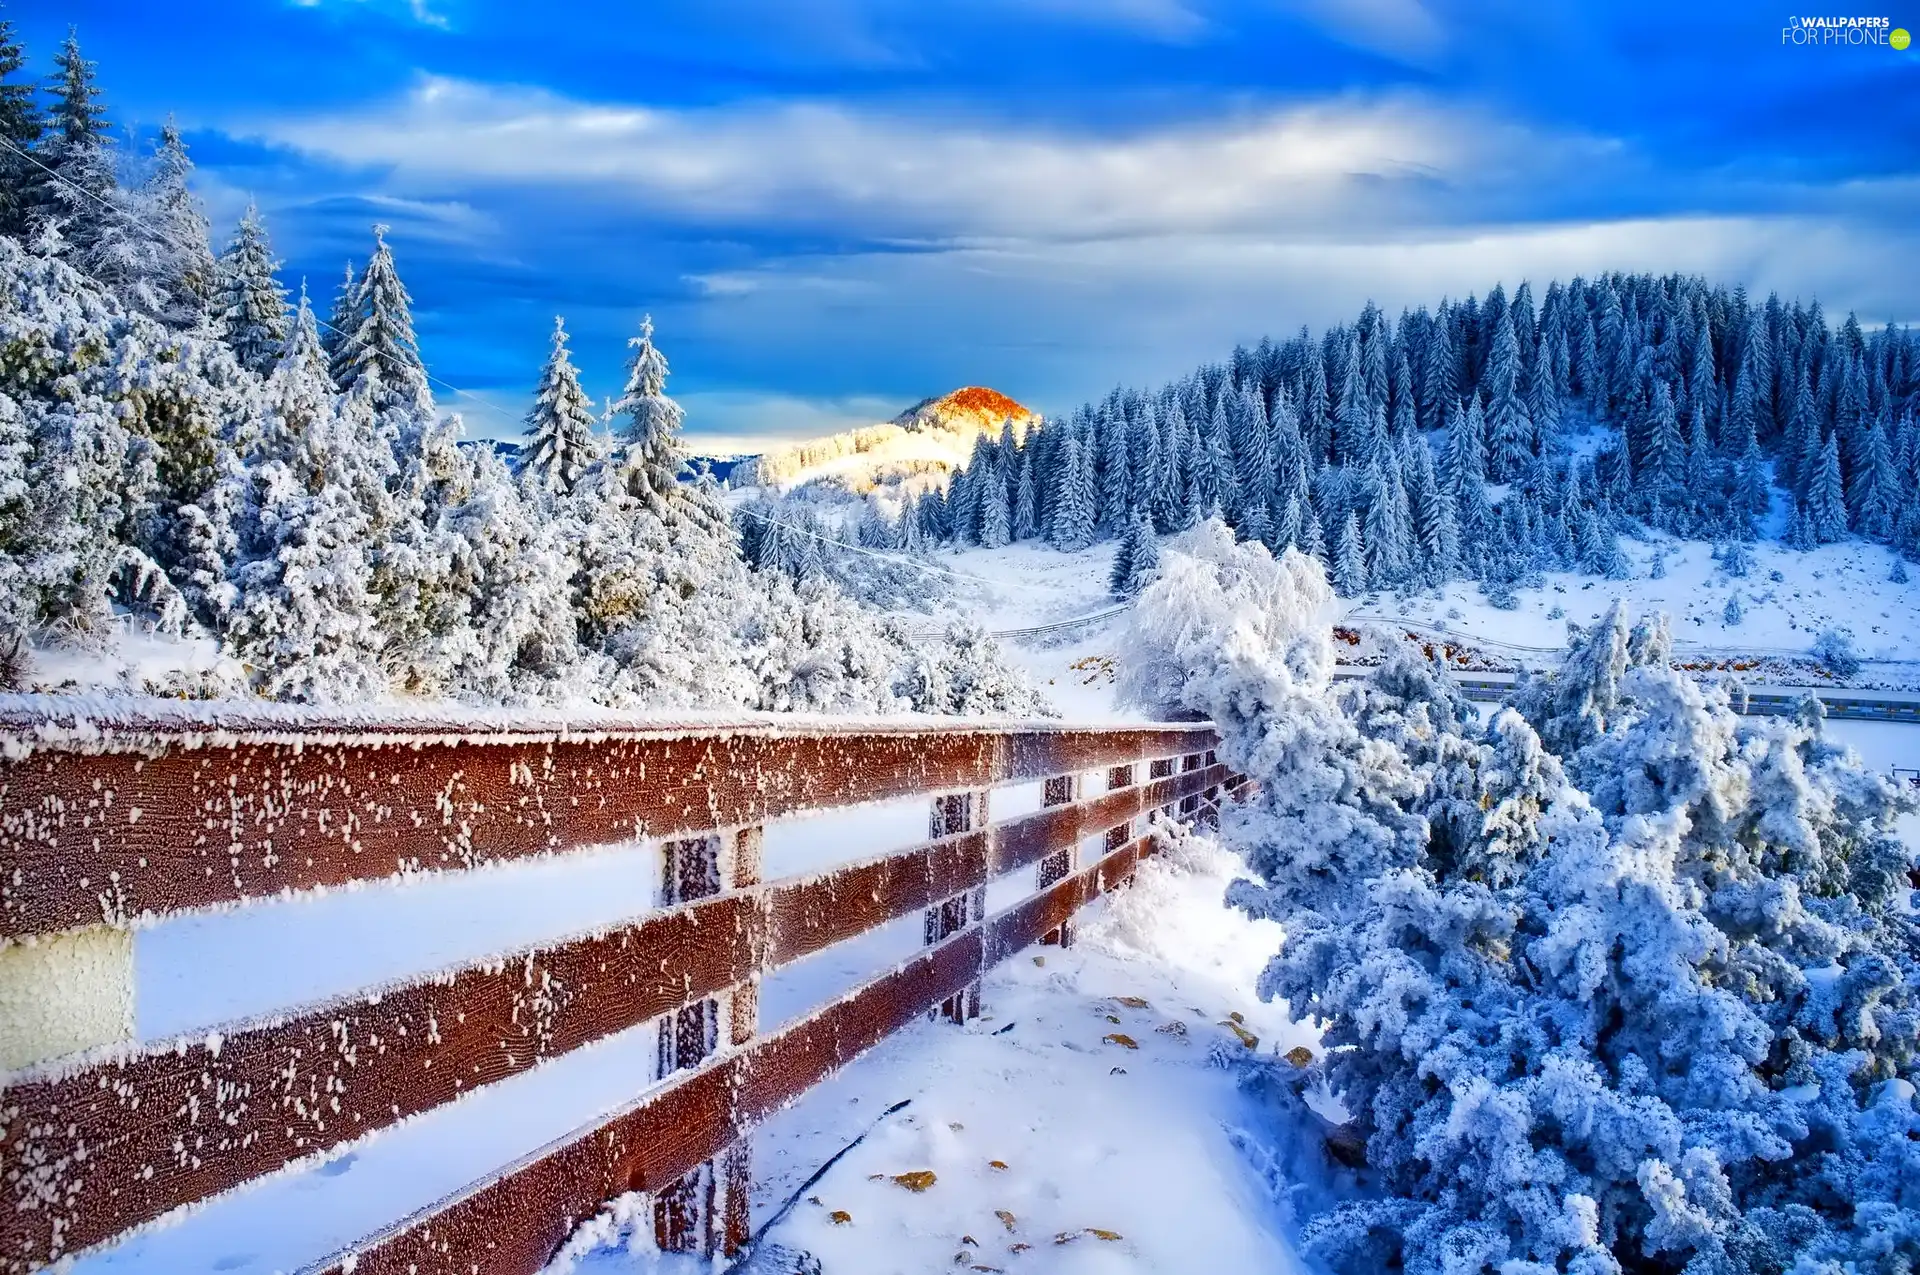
707 1211
1062 790
1190 806
955 813
1119 777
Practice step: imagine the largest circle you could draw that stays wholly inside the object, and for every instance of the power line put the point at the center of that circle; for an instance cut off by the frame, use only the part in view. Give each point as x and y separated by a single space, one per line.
451 388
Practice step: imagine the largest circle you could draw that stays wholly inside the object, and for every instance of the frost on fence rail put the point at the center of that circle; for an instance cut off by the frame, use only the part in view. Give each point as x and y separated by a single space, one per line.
235 1105
111 825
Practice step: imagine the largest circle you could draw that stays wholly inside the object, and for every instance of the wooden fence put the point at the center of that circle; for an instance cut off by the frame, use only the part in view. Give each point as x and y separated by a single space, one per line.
103 829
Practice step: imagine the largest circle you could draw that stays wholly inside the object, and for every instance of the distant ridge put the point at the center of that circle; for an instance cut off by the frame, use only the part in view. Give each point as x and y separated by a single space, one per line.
933 437
974 405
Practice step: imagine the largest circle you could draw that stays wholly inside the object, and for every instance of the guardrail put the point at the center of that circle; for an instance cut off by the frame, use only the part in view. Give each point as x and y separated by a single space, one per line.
103 828
1754 701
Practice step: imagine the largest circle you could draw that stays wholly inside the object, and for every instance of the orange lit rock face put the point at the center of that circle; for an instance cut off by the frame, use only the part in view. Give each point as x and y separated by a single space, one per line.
969 404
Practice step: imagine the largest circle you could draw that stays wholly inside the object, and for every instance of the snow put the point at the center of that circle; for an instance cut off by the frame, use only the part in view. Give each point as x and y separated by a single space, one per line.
1834 585
287 951
1147 1152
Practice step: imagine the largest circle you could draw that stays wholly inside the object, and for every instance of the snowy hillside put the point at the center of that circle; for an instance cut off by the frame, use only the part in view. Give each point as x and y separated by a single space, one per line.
929 441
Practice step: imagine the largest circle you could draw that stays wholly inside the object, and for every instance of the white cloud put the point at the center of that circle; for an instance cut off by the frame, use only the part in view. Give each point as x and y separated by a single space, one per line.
1346 163
1168 20
1403 29
1055 324
740 422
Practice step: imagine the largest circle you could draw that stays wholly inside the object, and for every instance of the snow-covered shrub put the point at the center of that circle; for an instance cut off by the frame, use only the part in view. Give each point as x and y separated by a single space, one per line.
1733 613
1736 559
1617 982
1835 651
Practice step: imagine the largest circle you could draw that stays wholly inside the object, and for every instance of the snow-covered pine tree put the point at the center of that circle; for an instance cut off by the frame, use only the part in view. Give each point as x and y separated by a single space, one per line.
20 128
1116 478
381 338
1873 497
1026 508
561 438
1402 416
303 617
1071 513
80 193
1385 531
1251 448
180 267
1135 560
1349 559
1355 441
1465 457
1509 427
647 453
963 493
250 305
1439 384
1170 505
1826 505
337 333
1663 459
995 524
1146 458
1543 398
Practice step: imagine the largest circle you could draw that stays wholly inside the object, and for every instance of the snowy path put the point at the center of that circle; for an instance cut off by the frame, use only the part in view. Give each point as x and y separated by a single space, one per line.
1134 1142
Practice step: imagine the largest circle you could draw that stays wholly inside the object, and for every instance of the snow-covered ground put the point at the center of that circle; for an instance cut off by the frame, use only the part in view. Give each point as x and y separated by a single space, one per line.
1082 1106
1834 586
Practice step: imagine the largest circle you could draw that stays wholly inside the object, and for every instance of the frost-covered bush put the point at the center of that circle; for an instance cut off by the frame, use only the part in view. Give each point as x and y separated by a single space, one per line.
1617 982
1835 651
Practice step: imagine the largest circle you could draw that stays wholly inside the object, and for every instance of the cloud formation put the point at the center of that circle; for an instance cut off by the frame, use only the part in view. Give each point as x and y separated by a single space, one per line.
1347 163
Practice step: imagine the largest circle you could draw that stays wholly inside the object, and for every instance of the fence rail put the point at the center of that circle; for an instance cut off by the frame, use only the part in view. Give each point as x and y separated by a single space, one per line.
100 830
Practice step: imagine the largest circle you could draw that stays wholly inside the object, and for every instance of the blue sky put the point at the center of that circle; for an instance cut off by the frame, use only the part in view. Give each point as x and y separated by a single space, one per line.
834 208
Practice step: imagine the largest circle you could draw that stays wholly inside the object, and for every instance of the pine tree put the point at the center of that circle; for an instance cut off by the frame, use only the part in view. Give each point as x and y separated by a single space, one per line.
1071 525
1389 551
1312 540
1146 459
964 493
1349 559
1250 446
1136 560
1116 478
1734 612
648 454
1465 457
1873 497
77 149
1543 397
560 427
1826 511
180 266
21 124
995 524
1355 439
341 322
381 337
1509 428
1439 386
1665 452
1403 416
250 305
1170 503
1026 510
